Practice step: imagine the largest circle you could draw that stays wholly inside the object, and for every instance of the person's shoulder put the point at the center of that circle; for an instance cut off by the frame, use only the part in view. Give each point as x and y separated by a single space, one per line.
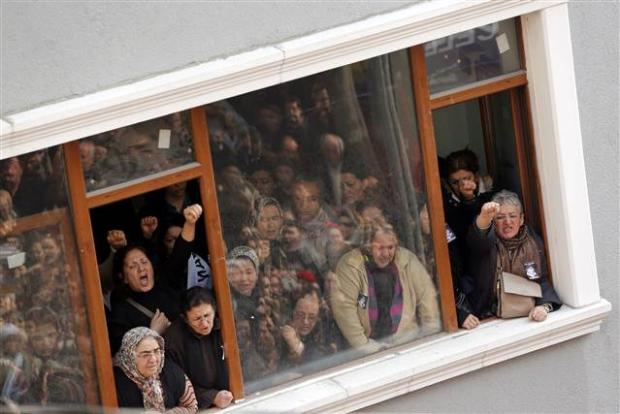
175 331
351 258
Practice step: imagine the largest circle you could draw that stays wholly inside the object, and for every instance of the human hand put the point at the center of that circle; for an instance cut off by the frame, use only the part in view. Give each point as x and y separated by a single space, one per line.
538 314
7 227
160 322
467 189
148 225
471 321
192 213
116 239
290 336
487 214
223 399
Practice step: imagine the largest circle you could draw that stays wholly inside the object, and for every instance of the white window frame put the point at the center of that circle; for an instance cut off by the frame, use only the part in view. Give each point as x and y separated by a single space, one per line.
559 156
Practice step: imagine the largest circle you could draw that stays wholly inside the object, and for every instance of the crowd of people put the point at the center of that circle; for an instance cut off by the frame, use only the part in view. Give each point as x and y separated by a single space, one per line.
316 262
39 333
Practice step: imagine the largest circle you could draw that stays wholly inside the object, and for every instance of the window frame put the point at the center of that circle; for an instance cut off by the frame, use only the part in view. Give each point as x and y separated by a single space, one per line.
551 93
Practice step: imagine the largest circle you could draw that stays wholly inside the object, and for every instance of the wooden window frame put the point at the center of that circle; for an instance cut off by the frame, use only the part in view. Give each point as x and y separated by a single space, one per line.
202 170
60 218
554 117
82 201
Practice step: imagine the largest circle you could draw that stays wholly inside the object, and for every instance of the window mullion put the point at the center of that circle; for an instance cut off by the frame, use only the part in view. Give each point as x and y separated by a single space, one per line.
433 185
217 254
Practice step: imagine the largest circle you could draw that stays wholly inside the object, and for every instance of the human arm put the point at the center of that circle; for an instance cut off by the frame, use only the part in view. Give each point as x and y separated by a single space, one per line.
487 214
187 403
191 214
344 297
427 306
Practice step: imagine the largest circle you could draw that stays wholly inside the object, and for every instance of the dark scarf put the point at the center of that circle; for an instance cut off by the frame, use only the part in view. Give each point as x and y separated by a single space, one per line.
516 254
396 310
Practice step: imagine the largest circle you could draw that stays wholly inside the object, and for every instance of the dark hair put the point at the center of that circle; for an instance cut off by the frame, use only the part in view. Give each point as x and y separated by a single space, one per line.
43 315
464 159
119 259
196 296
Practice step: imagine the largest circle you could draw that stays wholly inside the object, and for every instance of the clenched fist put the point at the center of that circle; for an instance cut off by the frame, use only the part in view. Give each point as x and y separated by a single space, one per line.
487 214
192 213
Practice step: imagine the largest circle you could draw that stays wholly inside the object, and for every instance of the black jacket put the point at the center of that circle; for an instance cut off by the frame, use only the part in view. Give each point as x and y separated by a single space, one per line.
200 357
483 266
172 381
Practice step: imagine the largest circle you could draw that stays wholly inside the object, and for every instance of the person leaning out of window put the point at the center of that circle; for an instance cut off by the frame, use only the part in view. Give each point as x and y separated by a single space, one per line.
381 290
501 241
194 345
145 379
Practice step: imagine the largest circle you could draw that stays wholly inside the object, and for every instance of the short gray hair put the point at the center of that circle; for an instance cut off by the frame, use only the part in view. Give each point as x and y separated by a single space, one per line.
508 197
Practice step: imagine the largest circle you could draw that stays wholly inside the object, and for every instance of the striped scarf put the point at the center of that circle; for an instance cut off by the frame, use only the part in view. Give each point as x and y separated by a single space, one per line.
396 310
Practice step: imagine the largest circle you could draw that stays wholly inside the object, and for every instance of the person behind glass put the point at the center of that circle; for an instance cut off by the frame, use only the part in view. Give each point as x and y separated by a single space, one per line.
145 379
295 122
57 380
242 265
192 343
381 290
311 212
140 300
304 340
501 241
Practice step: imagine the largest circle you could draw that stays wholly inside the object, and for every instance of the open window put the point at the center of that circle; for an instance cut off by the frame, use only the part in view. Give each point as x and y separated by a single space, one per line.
390 103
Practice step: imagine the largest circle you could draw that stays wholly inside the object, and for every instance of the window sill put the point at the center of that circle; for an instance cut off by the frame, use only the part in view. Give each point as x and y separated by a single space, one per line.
395 373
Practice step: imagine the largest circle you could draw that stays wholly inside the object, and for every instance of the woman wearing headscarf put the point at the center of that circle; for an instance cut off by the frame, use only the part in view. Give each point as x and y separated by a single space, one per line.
145 379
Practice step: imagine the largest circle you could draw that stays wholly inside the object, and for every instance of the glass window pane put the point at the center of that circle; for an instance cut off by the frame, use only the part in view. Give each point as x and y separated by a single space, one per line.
46 351
136 151
473 55
321 188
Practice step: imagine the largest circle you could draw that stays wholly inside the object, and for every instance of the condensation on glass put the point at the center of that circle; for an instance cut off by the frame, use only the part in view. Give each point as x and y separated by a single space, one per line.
136 151
473 55
46 353
320 177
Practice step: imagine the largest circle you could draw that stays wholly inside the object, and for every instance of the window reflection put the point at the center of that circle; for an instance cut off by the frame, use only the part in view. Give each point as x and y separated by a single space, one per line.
136 151
45 351
473 55
305 172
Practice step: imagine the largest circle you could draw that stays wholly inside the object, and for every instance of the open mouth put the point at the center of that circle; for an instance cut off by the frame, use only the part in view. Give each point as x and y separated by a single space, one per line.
144 280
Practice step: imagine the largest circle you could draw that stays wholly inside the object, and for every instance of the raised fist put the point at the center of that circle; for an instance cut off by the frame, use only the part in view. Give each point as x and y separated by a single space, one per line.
192 213
148 225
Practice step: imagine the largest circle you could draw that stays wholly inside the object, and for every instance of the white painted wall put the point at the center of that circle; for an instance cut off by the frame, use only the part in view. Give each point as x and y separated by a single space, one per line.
53 51
581 375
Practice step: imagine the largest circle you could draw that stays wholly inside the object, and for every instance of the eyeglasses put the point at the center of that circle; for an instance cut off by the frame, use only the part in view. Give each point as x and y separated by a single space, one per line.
157 352
300 316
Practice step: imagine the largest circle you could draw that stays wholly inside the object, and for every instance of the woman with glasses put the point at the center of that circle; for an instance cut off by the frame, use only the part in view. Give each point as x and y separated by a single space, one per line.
193 342
145 379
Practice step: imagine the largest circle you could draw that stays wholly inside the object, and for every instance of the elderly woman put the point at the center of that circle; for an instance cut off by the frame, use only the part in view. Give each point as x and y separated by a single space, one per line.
145 379
192 343
306 338
382 290
500 241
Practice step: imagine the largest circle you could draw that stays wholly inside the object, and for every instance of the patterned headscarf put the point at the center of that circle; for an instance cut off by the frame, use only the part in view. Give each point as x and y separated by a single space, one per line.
152 392
242 252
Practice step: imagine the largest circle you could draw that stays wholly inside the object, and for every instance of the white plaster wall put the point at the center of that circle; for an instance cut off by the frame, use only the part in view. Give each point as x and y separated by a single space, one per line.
581 375
51 51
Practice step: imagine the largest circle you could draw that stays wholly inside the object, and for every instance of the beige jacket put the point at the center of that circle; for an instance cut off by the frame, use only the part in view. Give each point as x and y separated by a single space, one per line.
420 308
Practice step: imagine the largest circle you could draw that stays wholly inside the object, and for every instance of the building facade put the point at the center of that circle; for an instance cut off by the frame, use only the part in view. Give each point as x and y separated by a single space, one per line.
66 80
